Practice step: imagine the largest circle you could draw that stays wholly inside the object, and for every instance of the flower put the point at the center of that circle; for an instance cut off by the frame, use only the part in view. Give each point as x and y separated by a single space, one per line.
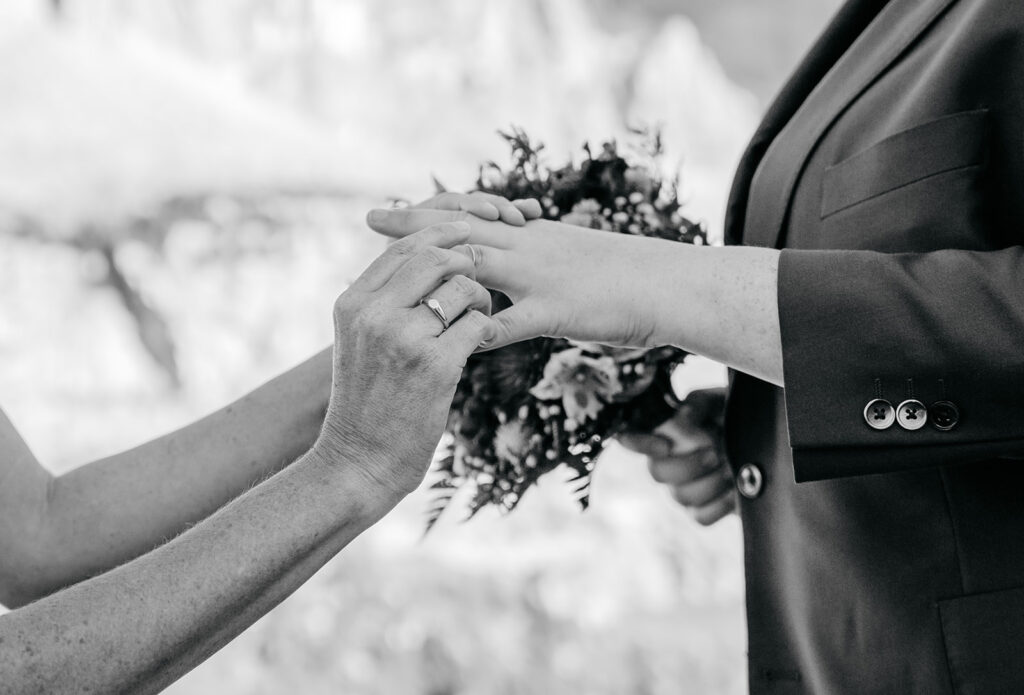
512 442
640 181
505 436
586 213
580 381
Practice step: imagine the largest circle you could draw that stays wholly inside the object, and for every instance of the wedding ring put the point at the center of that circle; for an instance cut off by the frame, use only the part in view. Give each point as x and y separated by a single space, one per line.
472 253
437 310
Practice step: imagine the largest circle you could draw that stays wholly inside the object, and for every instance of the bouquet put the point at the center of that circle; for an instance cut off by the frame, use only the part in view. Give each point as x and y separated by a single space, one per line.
523 410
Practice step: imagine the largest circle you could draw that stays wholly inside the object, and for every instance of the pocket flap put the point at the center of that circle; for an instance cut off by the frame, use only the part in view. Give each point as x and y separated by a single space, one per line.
945 144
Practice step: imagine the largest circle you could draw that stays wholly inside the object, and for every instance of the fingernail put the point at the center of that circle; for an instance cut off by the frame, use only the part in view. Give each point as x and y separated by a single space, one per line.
377 215
461 226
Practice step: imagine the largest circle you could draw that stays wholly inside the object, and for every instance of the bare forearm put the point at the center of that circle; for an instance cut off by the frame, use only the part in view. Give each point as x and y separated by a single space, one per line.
721 303
110 511
139 627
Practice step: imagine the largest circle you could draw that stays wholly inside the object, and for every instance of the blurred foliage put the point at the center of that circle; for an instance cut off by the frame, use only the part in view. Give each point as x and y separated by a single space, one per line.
758 41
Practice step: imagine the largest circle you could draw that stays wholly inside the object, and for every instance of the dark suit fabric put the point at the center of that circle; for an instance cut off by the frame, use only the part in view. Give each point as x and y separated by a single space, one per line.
890 170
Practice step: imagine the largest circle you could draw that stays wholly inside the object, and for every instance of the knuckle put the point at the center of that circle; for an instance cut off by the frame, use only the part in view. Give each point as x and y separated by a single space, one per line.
345 307
433 257
404 247
467 288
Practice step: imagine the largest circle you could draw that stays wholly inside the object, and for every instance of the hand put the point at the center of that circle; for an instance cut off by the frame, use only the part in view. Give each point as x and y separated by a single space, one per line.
564 281
486 206
687 454
395 366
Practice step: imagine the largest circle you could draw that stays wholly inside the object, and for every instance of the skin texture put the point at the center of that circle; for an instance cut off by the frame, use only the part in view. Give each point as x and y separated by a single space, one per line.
622 290
394 371
625 290
55 531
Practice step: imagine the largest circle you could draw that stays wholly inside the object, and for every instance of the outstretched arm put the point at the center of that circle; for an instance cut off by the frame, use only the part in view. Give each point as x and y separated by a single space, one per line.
395 369
146 623
912 359
105 513
620 289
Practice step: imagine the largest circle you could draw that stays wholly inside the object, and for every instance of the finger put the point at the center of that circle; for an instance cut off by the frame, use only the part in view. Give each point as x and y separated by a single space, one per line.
455 297
491 266
507 212
463 336
717 509
705 406
530 207
402 223
686 437
519 322
423 273
486 206
653 445
679 470
397 254
474 205
701 491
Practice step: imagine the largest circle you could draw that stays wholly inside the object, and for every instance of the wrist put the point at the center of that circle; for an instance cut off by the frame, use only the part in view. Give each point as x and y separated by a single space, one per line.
350 467
667 262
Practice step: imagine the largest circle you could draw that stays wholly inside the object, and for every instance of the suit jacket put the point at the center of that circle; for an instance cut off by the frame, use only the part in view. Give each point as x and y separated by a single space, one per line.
884 556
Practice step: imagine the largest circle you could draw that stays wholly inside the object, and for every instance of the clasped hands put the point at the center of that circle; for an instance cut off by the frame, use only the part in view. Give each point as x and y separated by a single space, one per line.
576 283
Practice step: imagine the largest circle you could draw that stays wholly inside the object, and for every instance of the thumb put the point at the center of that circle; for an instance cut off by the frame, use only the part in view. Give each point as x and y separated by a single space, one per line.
401 223
705 406
519 322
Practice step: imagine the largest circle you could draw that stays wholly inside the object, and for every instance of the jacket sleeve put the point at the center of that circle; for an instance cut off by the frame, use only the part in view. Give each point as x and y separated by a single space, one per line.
944 327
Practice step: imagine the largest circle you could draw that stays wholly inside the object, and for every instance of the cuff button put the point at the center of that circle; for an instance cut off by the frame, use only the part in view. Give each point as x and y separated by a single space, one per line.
879 414
944 415
911 414
750 481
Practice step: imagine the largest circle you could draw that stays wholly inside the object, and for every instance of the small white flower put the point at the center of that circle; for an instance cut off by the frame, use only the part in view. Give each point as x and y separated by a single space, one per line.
511 442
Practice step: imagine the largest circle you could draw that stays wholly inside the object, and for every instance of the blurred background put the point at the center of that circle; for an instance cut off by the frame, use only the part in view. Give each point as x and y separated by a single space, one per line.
182 187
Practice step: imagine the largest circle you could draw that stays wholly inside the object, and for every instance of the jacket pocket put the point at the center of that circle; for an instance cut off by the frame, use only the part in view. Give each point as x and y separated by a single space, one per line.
984 635
945 144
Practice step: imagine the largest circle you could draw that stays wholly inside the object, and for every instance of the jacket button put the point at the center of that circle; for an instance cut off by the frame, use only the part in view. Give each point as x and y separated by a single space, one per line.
879 414
911 414
944 415
750 481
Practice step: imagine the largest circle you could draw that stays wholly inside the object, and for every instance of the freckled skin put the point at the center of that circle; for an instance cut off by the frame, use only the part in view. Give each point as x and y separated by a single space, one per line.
140 626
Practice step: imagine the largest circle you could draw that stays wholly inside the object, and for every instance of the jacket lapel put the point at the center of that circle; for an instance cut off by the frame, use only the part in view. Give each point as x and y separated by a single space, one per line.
845 27
832 83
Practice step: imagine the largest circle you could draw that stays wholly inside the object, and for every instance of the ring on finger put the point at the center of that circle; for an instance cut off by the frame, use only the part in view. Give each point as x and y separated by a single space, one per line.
438 311
472 254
